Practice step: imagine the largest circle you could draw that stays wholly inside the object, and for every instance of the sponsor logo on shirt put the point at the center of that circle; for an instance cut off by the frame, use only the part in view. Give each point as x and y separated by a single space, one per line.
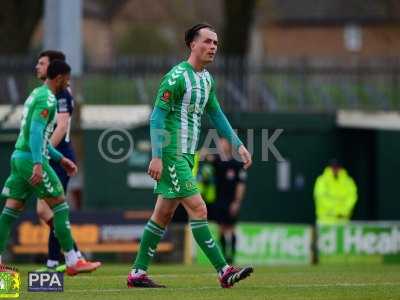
192 108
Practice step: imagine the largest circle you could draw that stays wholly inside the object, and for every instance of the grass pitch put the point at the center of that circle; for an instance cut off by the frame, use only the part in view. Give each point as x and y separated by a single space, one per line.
196 282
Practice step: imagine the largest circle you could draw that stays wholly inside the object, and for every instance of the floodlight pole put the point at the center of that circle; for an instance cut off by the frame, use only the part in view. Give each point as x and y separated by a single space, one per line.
62 30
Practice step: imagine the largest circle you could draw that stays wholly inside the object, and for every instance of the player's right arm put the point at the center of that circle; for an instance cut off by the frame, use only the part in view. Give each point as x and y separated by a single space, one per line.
157 125
163 105
40 117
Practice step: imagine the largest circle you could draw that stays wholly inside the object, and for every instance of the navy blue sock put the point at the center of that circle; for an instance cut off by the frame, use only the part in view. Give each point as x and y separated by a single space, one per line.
233 247
222 241
54 247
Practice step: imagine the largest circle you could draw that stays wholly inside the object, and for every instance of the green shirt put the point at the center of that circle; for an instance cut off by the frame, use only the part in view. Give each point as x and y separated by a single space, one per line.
40 106
185 94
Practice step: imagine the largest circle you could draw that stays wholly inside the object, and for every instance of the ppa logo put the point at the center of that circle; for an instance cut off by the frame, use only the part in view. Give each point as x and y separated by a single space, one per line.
45 282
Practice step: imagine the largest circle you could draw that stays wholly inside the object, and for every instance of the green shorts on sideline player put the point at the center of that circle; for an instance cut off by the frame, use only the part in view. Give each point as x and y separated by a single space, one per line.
17 185
177 180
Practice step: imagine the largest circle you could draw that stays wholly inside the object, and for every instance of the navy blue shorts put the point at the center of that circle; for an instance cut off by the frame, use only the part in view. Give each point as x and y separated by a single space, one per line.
61 173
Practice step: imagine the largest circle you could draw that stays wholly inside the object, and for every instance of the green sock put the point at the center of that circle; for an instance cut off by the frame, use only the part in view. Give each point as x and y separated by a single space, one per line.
62 226
203 237
7 218
151 236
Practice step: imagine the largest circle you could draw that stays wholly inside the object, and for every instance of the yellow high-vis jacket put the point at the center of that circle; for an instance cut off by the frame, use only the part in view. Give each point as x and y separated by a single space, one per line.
335 197
205 179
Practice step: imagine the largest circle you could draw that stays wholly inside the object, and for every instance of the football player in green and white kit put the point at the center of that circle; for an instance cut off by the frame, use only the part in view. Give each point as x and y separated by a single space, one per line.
186 92
31 173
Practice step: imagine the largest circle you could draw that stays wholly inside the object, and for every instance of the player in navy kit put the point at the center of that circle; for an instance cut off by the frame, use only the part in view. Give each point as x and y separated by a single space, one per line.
65 107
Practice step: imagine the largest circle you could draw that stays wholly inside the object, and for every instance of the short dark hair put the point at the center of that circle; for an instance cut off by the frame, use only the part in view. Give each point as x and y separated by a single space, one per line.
52 55
57 67
193 32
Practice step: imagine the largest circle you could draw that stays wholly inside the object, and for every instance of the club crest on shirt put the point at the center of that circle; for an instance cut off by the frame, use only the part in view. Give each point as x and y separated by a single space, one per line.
45 113
165 96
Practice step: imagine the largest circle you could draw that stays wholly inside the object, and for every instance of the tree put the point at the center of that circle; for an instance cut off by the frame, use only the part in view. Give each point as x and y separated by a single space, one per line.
18 20
239 16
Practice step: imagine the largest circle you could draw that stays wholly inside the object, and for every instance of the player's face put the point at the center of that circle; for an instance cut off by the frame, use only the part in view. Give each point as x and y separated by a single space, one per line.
62 82
41 67
205 45
335 170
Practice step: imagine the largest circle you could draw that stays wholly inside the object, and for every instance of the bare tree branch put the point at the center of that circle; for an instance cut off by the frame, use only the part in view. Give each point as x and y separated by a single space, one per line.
18 20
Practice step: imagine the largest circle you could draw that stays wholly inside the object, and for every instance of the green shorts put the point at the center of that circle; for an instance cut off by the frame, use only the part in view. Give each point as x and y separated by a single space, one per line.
177 180
17 185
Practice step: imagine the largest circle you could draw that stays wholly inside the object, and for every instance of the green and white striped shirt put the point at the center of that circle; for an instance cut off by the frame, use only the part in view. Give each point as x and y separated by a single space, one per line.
185 94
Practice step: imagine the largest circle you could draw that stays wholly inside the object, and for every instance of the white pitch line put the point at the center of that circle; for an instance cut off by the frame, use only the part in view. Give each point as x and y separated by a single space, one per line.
216 287
155 276
317 285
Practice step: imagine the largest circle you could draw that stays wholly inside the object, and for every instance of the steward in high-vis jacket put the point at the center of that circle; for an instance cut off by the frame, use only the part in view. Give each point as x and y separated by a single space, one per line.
335 195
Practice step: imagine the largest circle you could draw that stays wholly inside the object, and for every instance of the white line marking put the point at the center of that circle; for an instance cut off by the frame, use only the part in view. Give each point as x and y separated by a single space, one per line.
216 287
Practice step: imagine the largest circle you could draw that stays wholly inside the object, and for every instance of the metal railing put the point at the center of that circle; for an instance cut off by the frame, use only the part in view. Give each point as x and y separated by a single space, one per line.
271 85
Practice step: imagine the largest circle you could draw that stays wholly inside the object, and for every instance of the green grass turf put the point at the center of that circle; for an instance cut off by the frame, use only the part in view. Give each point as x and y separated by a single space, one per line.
195 282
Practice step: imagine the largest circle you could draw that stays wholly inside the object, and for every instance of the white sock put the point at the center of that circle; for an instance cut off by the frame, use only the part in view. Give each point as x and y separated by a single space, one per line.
70 257
136 272
0 259
79 254
52 263
223 270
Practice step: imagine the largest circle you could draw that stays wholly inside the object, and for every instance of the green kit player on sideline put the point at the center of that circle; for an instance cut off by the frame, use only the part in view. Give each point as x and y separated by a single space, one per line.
31 173
185 93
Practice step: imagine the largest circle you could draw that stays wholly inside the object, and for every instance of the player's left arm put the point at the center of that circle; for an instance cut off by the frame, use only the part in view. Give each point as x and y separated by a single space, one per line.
224 128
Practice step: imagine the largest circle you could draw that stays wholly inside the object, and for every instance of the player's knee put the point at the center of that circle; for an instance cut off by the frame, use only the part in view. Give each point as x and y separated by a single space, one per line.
42 214
55 201
42 210
14 204
167 216
201 212
163 217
